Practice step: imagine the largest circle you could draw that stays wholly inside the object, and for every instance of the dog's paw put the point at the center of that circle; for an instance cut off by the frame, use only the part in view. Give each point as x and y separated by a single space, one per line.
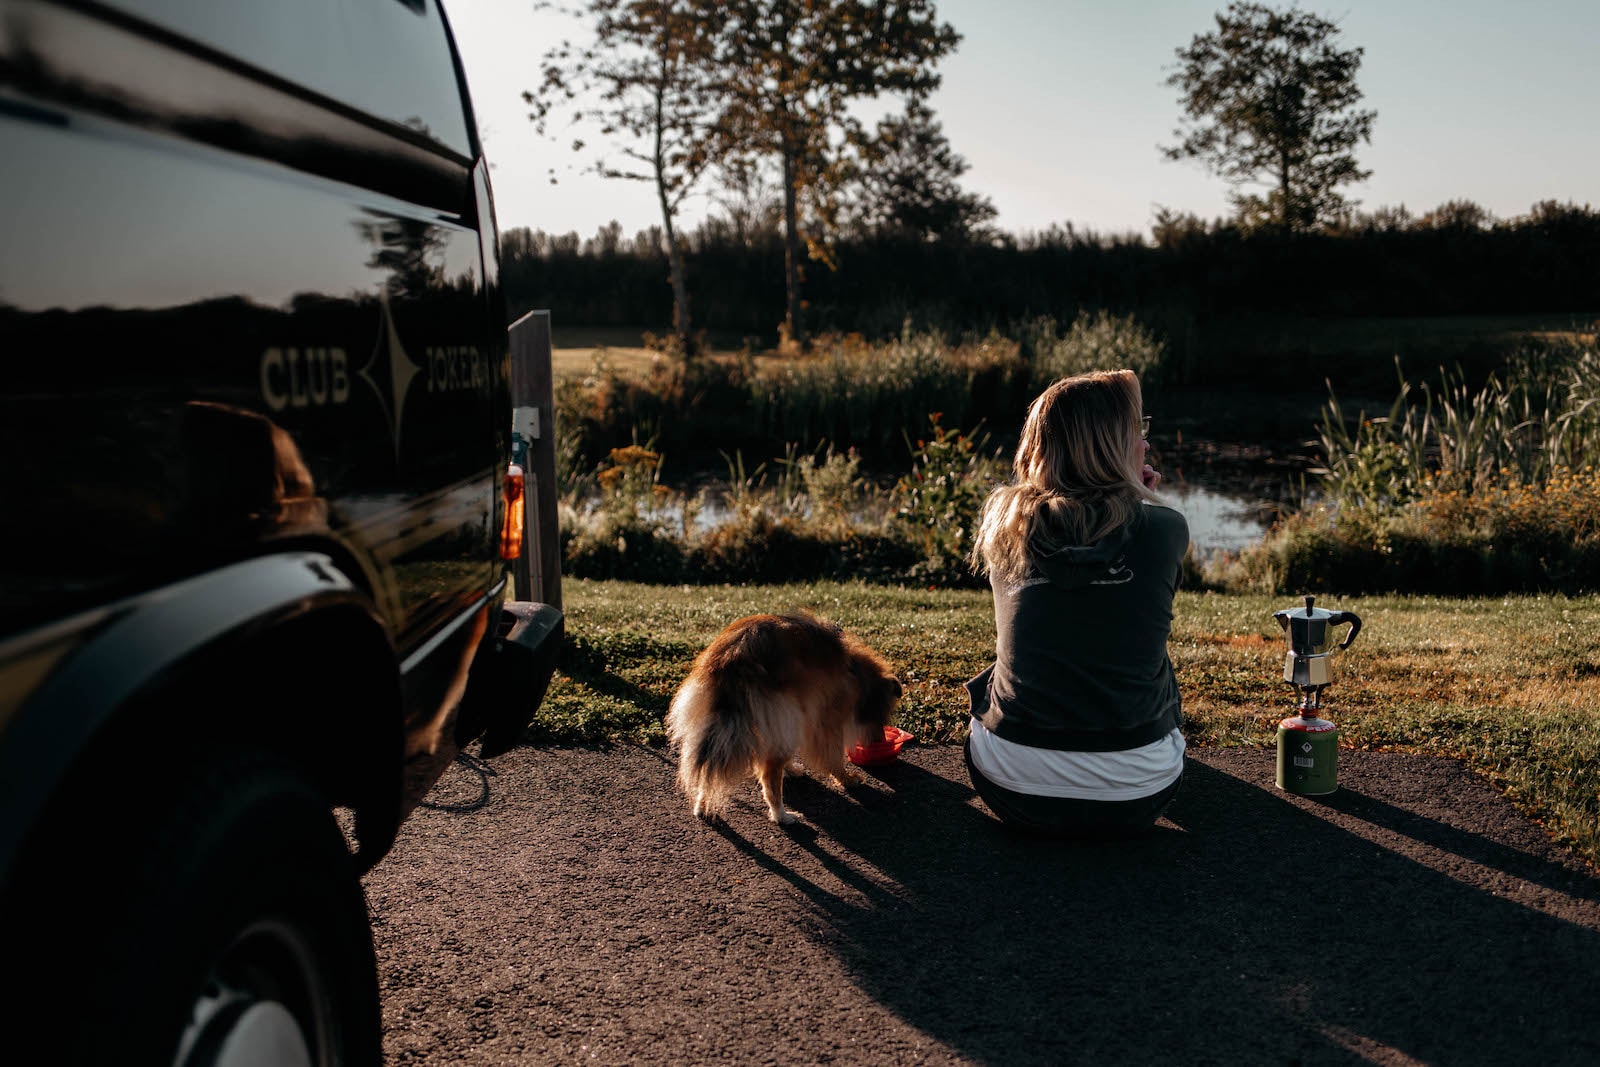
783 817
794 768
850 776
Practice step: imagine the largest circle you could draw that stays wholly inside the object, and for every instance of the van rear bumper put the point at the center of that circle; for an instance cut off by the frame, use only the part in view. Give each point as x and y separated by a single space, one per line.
511 673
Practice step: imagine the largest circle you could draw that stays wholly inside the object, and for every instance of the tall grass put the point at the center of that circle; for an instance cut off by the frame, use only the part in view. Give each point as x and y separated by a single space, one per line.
812 427
853 393
872 394
1457 488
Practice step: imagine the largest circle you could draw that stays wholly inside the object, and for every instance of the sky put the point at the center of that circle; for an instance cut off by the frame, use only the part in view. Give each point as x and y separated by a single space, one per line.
1061 107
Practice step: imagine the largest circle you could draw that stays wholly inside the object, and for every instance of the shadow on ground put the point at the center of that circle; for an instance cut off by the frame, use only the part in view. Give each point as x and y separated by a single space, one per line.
1413 917
1249 925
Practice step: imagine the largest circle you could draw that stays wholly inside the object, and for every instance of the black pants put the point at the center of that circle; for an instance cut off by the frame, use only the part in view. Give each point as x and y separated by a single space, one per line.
1070 816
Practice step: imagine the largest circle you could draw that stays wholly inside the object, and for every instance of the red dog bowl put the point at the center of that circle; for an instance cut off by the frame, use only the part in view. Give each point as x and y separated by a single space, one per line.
875 752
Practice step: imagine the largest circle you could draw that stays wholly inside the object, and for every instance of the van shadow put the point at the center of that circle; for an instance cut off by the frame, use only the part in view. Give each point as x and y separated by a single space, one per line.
1474 848
1246 928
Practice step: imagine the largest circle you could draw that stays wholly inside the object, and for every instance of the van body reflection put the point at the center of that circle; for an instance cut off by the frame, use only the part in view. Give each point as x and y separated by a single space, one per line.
255 425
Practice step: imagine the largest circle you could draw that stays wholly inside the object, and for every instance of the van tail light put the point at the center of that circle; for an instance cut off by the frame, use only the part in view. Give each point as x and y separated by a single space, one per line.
511 527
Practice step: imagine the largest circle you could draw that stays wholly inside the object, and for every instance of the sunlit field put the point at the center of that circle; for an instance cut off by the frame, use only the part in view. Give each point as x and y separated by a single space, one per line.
1509 685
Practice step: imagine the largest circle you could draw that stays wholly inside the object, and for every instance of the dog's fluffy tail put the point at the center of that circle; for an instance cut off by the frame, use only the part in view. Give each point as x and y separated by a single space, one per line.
712 726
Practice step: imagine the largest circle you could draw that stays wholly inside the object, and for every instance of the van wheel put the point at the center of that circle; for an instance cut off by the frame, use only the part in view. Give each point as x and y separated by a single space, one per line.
242 935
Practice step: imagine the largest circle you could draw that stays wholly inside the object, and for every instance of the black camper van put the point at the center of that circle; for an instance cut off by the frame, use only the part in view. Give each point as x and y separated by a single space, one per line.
255 511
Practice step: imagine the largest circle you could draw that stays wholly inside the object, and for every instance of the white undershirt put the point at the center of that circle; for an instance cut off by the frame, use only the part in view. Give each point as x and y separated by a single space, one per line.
1130 775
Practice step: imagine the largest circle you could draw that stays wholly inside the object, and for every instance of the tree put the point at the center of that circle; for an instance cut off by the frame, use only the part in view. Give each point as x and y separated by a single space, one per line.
752 210
1269 99
1466 216
645 78
910 185
791 71
409 251
1178 229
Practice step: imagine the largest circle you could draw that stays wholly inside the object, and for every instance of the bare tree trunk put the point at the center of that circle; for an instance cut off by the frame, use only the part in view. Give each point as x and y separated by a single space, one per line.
791 254
1286 220
680 285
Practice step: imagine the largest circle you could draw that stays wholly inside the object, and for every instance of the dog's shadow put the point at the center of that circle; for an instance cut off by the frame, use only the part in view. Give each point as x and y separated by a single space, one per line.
816 803
1240 907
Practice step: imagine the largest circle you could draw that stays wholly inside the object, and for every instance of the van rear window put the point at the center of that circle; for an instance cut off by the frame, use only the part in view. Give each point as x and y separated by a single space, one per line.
388 58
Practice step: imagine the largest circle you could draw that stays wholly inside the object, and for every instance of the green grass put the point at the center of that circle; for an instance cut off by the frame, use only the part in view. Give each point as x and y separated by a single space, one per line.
1511 686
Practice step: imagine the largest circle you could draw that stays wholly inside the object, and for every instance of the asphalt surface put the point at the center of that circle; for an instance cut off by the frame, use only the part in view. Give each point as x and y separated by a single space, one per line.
564 906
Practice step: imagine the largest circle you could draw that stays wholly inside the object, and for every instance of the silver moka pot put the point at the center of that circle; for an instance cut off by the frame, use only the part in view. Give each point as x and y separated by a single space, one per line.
1311 637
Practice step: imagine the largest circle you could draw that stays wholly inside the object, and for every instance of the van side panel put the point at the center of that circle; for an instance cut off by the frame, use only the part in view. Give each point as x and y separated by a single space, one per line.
213 346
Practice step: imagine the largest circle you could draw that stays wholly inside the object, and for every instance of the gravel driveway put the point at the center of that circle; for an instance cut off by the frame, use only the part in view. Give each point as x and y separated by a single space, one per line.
565 906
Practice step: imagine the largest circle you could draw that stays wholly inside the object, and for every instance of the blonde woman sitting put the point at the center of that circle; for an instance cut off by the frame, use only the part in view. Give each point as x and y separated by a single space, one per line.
1076 727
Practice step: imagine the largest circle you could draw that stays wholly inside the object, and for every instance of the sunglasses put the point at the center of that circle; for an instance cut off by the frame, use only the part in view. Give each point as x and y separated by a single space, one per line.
1144 427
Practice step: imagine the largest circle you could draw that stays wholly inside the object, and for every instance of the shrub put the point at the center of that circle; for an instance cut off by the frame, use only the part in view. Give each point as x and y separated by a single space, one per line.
835 490
609 544
1101 341
1513 536
754 546
938 503
815 517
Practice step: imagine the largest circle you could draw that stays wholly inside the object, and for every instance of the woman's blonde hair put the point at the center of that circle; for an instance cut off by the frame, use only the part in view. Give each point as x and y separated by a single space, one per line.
1075 478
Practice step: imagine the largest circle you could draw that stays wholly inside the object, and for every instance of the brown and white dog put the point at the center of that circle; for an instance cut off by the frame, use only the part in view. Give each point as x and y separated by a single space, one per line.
771 689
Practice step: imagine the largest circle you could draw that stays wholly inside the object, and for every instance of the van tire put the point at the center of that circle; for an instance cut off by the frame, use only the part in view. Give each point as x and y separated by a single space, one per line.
237 917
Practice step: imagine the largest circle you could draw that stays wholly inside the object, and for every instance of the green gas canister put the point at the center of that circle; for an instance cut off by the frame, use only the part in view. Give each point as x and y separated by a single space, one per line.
1308 755
1308 744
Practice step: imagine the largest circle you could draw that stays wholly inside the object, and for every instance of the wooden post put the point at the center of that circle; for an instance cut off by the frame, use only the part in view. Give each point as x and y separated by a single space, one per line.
538 572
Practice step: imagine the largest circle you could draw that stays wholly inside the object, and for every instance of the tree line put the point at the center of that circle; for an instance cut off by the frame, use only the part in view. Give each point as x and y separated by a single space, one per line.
1454 260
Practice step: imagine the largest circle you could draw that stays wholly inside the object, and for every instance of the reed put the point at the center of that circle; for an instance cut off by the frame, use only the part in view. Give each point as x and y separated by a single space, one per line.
1455 490
1539 414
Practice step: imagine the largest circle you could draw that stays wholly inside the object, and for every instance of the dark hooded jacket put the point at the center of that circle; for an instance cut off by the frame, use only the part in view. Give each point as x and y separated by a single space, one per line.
1081 647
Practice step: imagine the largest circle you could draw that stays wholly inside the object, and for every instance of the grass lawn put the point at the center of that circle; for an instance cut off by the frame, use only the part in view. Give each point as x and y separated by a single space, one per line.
574 349
1511 686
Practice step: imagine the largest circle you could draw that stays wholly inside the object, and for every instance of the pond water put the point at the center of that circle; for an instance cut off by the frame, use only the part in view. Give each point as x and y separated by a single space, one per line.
1222 518
1219 520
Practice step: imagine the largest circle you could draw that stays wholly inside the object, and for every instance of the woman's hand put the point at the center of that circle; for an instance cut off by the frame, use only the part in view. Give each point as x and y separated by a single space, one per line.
1148 474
